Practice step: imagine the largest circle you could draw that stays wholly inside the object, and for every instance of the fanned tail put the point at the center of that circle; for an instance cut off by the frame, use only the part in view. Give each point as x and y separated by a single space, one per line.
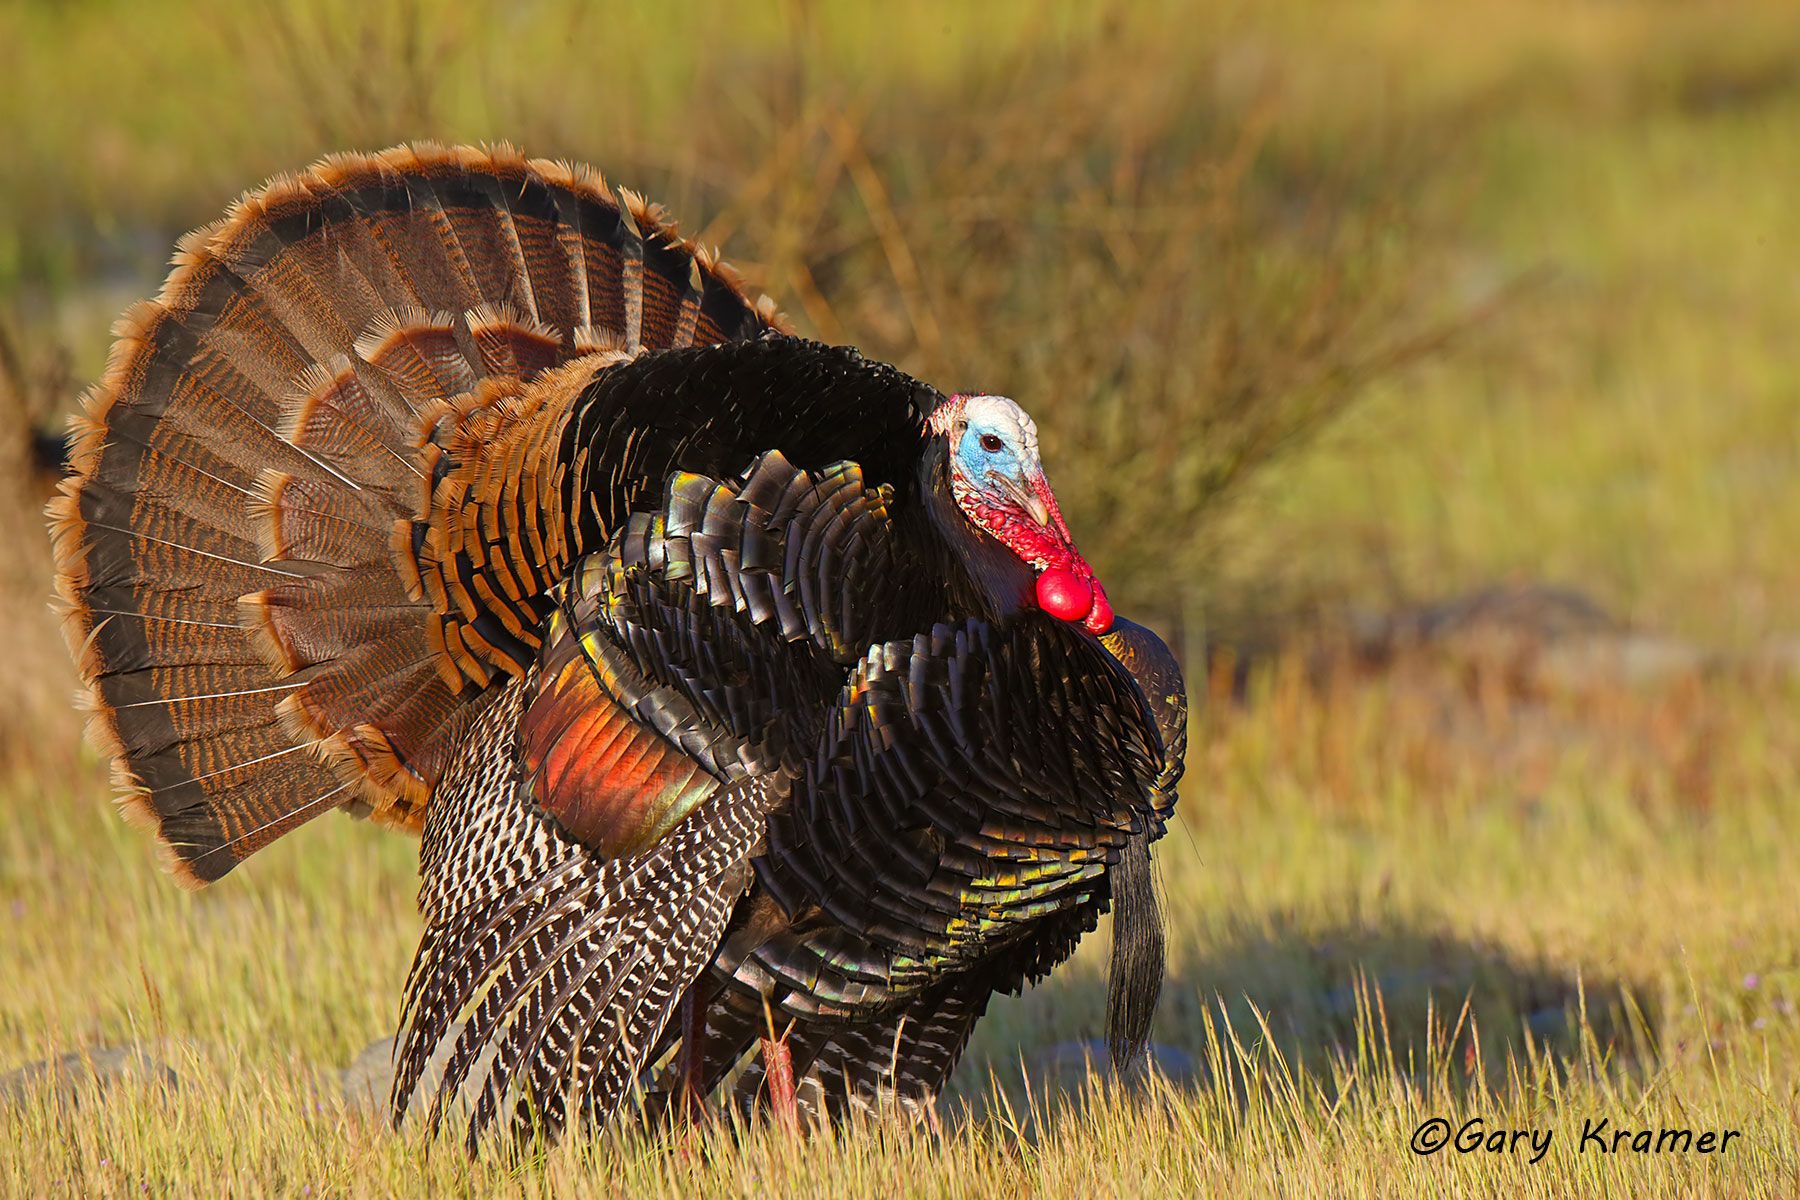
248 593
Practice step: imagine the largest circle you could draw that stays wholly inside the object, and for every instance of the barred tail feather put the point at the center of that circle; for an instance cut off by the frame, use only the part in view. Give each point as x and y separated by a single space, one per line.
257 648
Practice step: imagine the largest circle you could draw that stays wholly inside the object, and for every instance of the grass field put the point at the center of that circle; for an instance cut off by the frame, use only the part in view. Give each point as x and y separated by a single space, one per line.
1625 954
1325 310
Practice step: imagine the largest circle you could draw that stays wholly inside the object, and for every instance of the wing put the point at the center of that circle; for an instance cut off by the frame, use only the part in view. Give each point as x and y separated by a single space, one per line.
597 834
552 951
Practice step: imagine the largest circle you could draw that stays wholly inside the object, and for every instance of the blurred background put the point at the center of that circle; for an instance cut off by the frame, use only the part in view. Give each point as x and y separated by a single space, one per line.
1322 308
1428 377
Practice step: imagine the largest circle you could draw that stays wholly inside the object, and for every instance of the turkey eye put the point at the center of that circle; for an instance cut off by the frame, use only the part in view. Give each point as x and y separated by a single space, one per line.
991 443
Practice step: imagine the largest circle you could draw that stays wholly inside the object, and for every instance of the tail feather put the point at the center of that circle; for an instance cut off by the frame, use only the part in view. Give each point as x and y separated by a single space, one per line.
420 352
249 469
300 521
511 344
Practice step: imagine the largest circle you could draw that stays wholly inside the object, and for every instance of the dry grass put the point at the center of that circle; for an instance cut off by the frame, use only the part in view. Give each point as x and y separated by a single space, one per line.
1193 242
1341 969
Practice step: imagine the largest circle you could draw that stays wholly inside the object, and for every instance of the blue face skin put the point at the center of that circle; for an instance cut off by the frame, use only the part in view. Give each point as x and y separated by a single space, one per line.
977 462
994 457
988 456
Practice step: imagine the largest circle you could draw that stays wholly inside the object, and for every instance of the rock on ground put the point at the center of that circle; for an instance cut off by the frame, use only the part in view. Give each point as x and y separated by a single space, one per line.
70 1077
369 1079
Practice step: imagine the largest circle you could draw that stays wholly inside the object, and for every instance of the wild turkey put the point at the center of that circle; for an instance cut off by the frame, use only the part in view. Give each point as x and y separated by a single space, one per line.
721 669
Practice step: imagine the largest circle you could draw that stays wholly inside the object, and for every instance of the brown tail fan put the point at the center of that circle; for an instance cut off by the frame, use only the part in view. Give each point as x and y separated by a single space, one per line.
265 566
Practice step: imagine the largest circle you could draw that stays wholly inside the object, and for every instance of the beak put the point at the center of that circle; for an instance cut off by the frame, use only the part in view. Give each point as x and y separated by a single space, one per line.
1022 494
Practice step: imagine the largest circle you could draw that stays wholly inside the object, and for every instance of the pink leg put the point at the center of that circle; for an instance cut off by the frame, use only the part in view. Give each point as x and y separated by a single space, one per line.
778 1070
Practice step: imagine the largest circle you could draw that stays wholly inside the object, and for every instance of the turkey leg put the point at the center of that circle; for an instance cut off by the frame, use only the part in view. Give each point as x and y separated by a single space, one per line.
778 1071
693 1055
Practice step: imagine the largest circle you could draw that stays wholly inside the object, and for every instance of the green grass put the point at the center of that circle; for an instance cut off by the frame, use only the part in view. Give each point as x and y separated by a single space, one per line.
1631 424
1321 308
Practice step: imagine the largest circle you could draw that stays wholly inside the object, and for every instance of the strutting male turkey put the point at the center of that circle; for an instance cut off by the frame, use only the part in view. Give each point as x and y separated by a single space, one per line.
759 714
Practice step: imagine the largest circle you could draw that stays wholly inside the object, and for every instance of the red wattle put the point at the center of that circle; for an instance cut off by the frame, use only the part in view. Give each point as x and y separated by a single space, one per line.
1100 618
1064 594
